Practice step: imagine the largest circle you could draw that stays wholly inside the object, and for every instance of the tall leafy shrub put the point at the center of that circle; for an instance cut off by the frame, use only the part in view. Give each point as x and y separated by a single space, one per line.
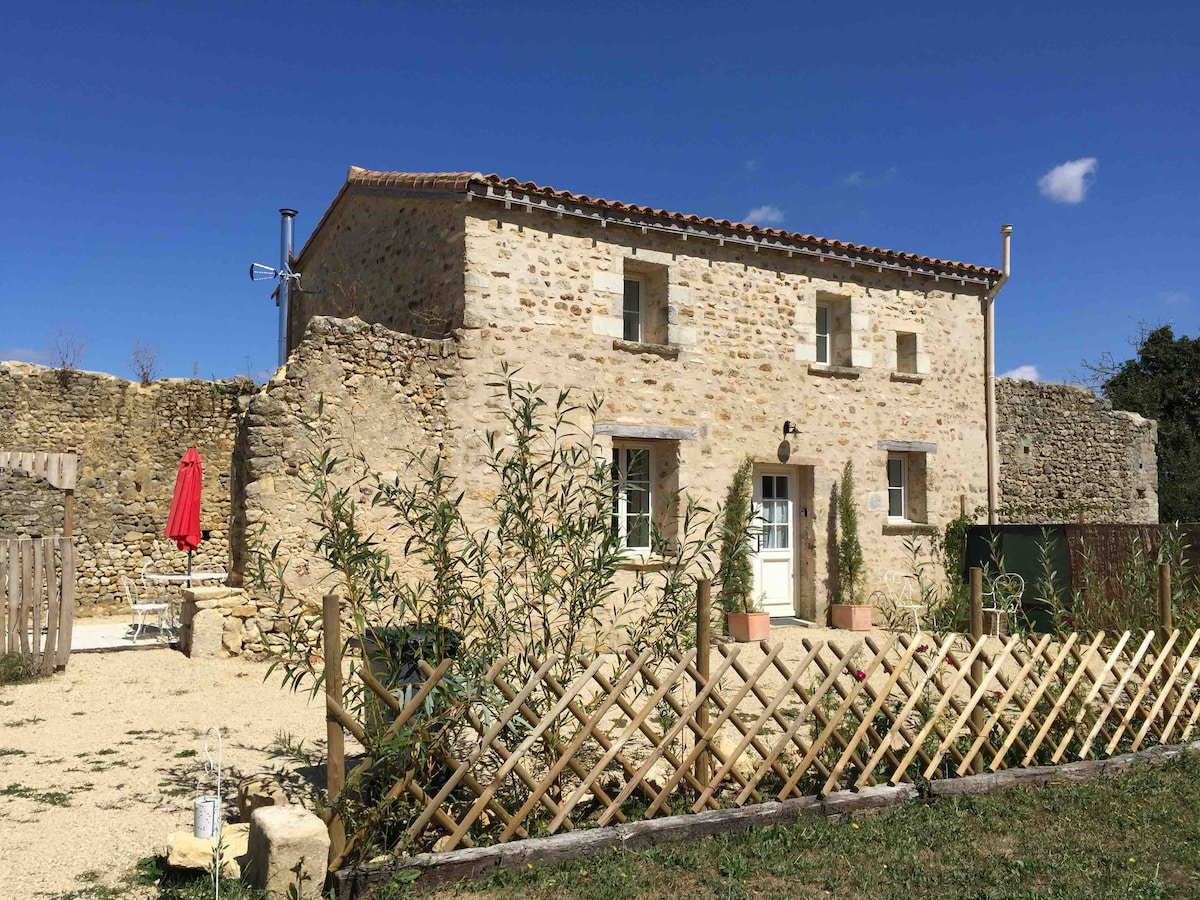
538 574
735 573
850 555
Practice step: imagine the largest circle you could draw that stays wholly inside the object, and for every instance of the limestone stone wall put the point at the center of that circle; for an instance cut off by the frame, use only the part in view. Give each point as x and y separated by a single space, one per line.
544 295
130 439
382 395
399 265
1066 453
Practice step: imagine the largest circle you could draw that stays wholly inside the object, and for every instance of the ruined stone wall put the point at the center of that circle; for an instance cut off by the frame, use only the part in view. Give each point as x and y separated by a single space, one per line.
383 396
1066 453
399 265
130 439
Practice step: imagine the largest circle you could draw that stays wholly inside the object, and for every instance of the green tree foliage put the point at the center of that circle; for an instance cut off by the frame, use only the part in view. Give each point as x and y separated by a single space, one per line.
735 573
850 555
1163 383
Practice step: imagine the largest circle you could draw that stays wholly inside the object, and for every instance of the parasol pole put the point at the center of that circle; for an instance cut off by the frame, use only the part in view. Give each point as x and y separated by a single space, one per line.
189 570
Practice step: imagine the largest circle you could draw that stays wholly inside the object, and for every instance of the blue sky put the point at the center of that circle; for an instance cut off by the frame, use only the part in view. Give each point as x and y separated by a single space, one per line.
146 147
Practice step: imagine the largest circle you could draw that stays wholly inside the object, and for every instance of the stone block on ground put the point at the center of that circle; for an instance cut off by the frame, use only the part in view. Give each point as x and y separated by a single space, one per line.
207 629
289 847
231 636
186 851
726 742
258 791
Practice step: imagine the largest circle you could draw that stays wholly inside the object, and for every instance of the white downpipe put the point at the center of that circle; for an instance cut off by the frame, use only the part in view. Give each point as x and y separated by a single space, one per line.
989 362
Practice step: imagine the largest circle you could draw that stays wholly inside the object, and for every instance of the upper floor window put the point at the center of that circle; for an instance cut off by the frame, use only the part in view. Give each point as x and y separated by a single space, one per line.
633 311
823 334
833 334
906 352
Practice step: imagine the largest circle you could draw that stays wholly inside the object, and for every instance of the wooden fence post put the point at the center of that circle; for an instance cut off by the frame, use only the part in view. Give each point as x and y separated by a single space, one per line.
335 778
977 664
703 666
1165 617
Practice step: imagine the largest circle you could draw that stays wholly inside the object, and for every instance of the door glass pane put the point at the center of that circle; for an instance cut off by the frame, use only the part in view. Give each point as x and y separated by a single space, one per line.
775 513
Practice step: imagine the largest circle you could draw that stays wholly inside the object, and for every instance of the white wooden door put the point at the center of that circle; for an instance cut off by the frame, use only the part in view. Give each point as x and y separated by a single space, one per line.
775 556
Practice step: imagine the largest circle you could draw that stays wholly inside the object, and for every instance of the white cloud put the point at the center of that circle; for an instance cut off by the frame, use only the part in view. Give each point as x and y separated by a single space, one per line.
1175 298
764 215
751 165
866 180
26 354
1025 373
1069 182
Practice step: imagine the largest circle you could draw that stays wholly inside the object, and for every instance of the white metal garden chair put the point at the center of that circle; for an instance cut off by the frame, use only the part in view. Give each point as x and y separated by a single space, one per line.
1004 597
140 610
902 591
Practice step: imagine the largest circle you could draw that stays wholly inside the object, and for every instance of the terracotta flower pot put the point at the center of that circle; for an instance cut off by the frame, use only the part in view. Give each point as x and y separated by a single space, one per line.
852 617
754 626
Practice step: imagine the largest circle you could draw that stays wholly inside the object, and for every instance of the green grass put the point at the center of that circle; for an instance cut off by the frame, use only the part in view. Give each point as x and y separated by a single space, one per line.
21 723
49 798
1133 836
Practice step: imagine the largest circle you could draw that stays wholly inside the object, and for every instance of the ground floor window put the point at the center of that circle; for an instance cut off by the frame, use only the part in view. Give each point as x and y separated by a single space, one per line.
631 471
906 487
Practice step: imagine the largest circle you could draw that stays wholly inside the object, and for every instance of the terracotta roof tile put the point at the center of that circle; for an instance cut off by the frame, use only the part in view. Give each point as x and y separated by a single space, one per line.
463 181
414 181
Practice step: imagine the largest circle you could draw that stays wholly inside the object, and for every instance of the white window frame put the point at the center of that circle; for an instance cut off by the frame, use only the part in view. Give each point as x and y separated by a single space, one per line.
621 512
641 312
826 334
902 487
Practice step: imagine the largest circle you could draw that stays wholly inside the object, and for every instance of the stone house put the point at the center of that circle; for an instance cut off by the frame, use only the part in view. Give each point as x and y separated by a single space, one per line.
709 340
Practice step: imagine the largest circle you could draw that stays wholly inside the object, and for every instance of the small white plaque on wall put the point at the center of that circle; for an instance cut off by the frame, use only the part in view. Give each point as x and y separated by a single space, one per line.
876 500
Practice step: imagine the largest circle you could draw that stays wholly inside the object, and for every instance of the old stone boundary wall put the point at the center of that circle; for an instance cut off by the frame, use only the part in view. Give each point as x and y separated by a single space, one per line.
130 439
1065 453
382 399
386 397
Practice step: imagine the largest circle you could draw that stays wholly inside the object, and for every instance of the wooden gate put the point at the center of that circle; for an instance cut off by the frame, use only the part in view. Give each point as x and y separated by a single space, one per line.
37 599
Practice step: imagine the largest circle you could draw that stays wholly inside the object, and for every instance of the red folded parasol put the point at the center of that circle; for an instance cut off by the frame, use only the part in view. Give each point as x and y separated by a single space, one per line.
183 521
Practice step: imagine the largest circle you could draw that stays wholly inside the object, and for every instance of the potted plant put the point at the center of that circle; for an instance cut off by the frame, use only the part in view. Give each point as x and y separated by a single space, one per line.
849 612
744 618
749 623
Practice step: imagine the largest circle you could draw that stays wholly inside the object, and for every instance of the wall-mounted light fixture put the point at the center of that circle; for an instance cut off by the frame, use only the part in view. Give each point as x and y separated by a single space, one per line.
790 428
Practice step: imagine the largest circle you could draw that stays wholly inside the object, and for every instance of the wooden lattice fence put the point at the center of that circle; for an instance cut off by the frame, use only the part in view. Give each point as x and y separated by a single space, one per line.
37 599
630 738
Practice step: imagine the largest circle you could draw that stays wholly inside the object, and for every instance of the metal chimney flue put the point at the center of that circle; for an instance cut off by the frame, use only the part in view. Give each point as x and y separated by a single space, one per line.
286 221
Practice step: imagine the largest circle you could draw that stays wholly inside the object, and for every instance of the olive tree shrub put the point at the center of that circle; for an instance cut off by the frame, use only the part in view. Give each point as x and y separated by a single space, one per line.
539 574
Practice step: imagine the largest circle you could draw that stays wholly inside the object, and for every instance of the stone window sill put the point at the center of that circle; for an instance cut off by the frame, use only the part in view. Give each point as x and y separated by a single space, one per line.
909 528
907 377
666 351
826 371
643 562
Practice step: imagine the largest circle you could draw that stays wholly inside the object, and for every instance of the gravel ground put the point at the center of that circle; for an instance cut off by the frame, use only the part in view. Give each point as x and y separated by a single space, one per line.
100 762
